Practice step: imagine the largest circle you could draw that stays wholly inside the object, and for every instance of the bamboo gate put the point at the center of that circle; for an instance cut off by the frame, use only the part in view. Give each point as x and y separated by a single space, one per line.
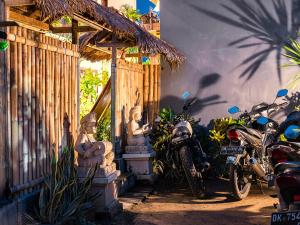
133 80
41 86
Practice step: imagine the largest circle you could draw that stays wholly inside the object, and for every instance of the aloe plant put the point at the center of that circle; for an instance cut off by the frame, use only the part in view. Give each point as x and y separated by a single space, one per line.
63 198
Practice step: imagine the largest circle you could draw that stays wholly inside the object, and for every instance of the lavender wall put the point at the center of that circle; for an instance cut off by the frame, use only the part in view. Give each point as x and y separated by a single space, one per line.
229 62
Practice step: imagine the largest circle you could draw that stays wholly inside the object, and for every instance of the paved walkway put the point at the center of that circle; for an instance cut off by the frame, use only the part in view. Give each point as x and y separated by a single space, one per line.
175 206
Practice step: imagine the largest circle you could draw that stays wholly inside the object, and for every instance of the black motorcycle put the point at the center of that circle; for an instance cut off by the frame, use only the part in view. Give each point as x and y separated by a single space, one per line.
285 159
247 159
187 148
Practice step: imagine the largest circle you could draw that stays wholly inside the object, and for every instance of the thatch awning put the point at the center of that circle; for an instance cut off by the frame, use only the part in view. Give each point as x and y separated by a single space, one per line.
113 22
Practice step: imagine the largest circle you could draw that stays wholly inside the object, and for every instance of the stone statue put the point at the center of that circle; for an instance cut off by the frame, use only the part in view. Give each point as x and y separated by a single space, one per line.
138 153
135 132
90 151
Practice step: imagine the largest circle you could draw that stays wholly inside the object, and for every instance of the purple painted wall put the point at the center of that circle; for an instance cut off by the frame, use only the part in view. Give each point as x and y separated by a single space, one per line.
233 51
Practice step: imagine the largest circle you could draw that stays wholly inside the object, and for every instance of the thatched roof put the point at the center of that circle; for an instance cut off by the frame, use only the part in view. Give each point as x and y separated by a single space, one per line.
114 22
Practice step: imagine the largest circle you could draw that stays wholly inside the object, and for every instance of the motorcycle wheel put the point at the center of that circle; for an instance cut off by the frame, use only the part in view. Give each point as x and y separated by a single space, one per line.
193 177
240 184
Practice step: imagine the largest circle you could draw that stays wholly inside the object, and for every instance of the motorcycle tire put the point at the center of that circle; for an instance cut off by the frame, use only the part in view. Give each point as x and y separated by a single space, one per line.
239 192
193 177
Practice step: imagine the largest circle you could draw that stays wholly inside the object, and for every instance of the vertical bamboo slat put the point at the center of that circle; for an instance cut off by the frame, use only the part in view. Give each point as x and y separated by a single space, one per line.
43 87
29 129
20 108
158 87
72 91
14 109
25 108
51 103
33 107
56 102
39 109
151 84
8 154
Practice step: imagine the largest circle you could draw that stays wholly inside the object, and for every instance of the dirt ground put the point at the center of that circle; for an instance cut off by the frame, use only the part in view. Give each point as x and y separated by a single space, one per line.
175 206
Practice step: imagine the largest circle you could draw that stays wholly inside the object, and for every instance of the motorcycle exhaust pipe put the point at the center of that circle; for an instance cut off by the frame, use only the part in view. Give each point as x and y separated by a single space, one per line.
257 168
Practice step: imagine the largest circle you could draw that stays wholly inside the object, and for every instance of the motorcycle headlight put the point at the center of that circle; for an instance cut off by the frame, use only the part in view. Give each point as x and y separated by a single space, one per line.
181 131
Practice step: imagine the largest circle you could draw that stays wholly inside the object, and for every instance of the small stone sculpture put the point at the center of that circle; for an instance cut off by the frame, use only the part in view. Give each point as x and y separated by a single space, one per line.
135 132
90 151
138 153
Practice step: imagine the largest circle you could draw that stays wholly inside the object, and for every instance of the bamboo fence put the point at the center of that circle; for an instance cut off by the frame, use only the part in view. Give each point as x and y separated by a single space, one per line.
42 86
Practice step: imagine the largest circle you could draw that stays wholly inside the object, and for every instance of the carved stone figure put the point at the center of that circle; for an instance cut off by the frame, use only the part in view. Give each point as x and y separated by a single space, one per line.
90 151
138 153
135 132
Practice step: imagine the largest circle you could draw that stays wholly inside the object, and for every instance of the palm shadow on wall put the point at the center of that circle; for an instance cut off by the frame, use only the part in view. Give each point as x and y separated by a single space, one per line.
202 102
266 29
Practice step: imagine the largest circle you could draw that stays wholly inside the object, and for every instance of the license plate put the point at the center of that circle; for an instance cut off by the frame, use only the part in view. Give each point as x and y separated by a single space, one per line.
286 218
231 150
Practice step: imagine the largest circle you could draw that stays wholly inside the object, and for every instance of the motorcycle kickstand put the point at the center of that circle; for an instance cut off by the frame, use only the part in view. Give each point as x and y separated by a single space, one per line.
261 187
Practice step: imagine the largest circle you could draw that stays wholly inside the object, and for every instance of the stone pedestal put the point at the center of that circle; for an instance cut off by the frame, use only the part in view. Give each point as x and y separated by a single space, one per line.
140 164
107 204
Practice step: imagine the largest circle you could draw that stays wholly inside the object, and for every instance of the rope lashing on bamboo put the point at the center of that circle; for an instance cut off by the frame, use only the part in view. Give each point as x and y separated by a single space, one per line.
3 43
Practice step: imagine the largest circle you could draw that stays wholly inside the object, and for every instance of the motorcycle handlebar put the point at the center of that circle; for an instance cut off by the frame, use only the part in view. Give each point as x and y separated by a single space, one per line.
189 104
274 106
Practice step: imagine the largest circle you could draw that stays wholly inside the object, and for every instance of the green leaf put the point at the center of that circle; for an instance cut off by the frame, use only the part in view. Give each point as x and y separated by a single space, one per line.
3 46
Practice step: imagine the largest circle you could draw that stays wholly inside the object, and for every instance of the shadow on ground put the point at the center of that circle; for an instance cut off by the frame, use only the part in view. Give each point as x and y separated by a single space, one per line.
173 204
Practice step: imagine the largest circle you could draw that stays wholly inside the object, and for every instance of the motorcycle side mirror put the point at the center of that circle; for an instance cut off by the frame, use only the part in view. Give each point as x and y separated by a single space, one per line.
281 93
234 110
185 95
262 120
292 132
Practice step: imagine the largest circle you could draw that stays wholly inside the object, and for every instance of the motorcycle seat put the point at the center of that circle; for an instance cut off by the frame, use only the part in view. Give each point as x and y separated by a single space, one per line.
287 167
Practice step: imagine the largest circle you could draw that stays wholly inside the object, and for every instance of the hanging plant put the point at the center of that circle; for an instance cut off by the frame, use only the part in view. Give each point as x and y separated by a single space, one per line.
4 43
3 46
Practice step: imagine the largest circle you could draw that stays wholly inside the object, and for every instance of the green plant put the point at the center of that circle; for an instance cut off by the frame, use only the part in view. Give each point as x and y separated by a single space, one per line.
62 21
292 52
3 46
218 133
104 78
104 128
130 12
63 198
216 138
88 90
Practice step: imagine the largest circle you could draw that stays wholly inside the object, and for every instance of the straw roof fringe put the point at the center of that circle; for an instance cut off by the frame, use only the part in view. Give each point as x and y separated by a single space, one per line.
114 21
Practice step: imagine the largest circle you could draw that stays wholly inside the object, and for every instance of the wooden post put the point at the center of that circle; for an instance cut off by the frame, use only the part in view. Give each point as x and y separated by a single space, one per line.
74 32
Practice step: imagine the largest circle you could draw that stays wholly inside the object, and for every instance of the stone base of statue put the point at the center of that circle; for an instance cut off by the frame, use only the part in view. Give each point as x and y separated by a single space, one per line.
141 165
139 149
104 182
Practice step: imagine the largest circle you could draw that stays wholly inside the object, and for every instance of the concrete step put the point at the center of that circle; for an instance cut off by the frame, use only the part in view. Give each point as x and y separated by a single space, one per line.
125 182
136 196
